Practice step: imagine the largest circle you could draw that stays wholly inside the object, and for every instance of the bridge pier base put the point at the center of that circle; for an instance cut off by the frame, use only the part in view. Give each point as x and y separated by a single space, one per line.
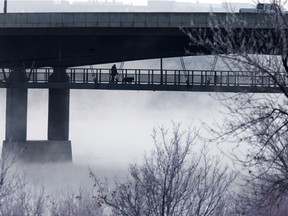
57 148
38 151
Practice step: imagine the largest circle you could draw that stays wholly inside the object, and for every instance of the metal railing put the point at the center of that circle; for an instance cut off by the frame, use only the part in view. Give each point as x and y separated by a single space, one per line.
155 77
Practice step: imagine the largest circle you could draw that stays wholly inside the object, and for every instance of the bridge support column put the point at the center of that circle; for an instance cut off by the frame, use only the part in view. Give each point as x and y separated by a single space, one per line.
58 110
16 116
16 108
58 113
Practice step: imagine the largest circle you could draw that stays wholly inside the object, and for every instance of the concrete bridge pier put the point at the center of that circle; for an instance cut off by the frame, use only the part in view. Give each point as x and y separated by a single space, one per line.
16 108
58 115
58 112
57 148
16 116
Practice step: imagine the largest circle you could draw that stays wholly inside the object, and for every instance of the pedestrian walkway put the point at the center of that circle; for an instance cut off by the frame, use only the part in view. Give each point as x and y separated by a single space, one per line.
151 79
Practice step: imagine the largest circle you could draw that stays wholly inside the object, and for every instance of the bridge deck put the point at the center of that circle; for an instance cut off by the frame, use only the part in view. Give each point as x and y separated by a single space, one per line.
149 79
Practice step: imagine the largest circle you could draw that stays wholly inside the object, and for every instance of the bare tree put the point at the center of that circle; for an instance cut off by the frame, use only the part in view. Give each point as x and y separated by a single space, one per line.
10 180
247 202
81 202
259 122
16 198
25 202
173 180
19 197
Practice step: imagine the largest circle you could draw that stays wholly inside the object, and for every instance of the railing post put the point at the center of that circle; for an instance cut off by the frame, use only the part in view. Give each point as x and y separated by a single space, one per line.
165 77
139 80
73 75
148 76
228 78
100 76
175 75
221 77
83 76
35 73
47 75
192 77
135 72
161 71
262 80
86 75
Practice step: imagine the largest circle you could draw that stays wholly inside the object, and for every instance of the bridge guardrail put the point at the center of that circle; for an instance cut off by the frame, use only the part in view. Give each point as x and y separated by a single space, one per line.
154 77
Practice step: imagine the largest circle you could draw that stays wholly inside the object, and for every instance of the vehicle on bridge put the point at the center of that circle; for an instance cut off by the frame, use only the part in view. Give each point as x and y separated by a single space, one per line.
261 8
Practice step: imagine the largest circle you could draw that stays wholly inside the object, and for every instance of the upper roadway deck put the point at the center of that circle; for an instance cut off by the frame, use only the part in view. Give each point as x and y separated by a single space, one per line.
74 39
52 20
128 20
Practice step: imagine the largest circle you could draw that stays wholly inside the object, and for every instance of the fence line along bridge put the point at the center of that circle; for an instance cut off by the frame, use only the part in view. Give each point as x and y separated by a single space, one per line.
146 79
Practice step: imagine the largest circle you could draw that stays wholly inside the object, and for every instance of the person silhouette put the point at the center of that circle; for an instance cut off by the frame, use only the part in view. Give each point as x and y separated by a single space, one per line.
113 73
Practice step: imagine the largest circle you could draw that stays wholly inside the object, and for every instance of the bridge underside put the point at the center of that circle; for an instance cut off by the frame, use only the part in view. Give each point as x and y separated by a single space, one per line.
70 47
76 47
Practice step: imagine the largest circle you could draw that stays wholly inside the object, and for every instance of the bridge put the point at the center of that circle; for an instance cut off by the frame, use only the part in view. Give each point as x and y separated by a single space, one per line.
45 50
